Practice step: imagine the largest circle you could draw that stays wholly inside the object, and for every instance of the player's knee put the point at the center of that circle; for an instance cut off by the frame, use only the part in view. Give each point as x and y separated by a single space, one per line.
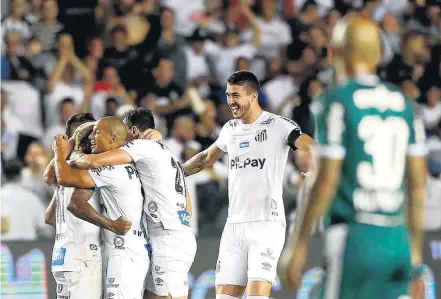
224 296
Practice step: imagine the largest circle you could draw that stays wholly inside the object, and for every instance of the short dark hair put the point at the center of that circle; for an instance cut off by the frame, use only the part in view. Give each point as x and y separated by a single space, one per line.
12 169
244 78
141 118
76 120
119 29
65 101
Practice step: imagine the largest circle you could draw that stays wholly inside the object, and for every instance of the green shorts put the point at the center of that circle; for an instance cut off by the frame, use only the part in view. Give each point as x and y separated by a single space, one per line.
365 262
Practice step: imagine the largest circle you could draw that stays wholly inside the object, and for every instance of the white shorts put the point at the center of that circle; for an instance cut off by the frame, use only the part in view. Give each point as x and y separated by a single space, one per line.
125 276
249 251
171 260
85 284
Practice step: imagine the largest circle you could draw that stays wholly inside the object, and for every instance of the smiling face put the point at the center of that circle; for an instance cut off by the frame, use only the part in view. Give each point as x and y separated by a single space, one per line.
239 100
100 138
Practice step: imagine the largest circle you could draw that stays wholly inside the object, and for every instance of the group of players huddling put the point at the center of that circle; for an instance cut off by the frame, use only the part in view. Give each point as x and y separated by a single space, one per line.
115 181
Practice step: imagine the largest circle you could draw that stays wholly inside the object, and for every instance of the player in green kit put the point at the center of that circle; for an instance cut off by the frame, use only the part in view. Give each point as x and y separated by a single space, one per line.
372 165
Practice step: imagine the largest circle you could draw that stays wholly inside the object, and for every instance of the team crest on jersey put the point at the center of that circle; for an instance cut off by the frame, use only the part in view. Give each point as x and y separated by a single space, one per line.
119 242
261 136
153 207
111 283
267 121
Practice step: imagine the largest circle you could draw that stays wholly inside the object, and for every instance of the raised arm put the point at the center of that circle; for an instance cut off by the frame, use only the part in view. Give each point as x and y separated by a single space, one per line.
203 160
80 207
113 157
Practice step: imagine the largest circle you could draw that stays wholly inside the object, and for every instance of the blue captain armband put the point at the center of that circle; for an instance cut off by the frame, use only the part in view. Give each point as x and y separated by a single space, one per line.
184 217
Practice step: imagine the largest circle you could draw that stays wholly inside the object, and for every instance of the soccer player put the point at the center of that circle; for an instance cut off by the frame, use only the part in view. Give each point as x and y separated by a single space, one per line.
257 143
167 205
76 259
369 140
126 257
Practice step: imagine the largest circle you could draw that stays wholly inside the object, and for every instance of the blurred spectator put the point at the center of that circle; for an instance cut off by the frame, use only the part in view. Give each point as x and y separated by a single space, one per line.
275 33
11 126
170 101
171 45
207 130
42 62
95 49
188 14
36 160
432 111
109 88
66 109
66 79
48 27
232 48
35 11
15 22
23 209
182 138
19 67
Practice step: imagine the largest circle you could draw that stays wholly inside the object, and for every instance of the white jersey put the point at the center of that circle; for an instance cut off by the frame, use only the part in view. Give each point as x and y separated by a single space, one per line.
257 155
120 191
75 239
162 178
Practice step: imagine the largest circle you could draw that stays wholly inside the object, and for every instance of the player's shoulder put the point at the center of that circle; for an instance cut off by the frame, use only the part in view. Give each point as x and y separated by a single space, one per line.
274 120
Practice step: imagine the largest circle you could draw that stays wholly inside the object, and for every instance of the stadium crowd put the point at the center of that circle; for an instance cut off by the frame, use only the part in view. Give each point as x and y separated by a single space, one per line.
63 57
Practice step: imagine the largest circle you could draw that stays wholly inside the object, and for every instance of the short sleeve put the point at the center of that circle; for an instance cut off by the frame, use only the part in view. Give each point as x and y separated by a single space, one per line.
417 137
222 140
101 176
139 149
286 126
331 129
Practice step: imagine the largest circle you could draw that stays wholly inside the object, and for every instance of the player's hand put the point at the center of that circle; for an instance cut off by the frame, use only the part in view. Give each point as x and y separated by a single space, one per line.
151 134
121 226
60 144
291 266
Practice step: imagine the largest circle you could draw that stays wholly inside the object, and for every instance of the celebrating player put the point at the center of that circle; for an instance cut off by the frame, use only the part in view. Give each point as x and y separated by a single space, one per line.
167 206
76 259
369 138
257 143
127 260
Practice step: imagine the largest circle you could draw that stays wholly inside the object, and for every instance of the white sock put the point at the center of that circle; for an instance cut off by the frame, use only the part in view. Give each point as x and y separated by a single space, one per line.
223 296
257 297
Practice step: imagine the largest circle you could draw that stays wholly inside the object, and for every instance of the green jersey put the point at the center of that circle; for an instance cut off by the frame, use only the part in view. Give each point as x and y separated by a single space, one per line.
371 126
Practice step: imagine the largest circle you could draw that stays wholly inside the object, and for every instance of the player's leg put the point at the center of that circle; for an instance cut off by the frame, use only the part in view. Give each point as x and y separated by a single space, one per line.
265 242
232 264
172 257
125 277
62 284
87 283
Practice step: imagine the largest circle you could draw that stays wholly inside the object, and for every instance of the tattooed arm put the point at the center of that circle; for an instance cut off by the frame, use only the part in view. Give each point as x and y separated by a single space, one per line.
80 207
203 160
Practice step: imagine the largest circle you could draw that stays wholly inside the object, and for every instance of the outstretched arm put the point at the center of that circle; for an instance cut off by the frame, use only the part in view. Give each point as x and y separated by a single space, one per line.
113 157
203 160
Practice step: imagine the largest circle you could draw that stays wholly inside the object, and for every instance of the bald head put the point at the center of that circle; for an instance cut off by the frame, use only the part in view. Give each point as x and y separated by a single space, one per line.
357 41
108 133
